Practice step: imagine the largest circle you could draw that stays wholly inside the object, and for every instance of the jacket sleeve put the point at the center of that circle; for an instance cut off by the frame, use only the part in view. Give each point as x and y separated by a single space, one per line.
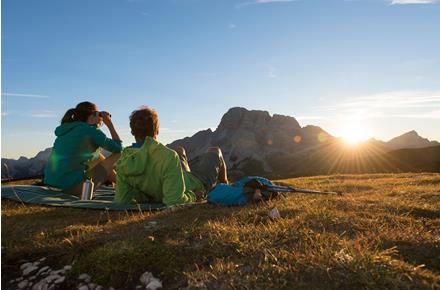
174 190
125 193
108 144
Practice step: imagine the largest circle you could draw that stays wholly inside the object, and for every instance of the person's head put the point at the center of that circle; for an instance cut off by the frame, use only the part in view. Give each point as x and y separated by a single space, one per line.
84 112
144 122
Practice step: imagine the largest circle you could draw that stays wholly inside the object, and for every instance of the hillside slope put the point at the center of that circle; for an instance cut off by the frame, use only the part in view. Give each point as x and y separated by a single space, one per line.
382 234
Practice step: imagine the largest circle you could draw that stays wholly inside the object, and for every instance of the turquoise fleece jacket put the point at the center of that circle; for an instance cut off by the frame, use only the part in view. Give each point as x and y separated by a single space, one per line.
77 144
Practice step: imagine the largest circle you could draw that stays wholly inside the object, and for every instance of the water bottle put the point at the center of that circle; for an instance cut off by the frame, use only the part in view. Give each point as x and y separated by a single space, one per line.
87 190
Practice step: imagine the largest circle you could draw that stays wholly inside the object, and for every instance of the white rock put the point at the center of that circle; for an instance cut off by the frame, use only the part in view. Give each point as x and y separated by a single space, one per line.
150 225
154 284
60 280
343 257
51 287
85 277
51 278
146 278
29 270
42 285
57 272
139 287
32 278
25 265
99 287
274 213
43 269
67 267
83 287
23 284
42 259
37 263
12 281
19 279
92 286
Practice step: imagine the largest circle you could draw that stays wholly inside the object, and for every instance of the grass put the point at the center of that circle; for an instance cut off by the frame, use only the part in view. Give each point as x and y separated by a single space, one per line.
384 233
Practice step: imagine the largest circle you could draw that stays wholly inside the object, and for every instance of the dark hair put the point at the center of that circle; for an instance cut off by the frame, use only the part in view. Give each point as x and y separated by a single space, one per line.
144 122
80 113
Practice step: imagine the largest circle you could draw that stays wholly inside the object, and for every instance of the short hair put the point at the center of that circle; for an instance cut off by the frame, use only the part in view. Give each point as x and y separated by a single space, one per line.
144 122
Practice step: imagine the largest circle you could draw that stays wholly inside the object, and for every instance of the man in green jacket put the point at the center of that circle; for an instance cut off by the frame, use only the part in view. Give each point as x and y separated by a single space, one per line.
148 171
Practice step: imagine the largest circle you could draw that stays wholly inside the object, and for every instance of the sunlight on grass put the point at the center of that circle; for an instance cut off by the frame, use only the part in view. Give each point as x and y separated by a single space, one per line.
383 233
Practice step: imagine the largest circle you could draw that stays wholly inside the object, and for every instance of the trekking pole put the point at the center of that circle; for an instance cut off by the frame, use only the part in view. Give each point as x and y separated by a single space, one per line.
303 190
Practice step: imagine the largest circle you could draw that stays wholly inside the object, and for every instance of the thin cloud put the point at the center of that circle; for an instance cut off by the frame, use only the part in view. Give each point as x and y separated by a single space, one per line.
257 2
305 118
271 72
397 99
25 95
398 104
428 115
27 133
405 2
42 114
232 26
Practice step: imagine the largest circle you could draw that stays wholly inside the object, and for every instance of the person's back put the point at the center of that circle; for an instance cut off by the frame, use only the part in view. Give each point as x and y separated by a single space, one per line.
74 147
152 173
75 154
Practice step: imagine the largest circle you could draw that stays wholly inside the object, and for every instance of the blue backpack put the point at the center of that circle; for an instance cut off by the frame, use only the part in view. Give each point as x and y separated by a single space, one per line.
246 190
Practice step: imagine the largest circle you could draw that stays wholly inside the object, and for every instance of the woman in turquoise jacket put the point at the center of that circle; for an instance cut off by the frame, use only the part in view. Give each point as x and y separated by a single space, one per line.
76 152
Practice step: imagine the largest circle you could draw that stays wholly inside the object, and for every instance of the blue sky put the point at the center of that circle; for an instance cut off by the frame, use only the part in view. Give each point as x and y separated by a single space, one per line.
374 64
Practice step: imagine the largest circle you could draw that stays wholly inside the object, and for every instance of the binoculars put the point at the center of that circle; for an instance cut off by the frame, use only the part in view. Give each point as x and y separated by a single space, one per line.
102 113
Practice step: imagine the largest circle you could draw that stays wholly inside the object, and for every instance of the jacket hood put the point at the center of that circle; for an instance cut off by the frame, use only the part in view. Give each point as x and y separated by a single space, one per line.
65 128
133 160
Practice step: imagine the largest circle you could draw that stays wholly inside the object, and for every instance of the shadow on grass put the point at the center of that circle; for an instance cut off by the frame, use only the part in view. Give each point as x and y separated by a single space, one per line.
417 253
115 248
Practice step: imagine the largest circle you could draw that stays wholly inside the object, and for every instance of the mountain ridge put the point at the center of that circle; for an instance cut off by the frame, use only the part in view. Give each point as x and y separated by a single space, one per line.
255 142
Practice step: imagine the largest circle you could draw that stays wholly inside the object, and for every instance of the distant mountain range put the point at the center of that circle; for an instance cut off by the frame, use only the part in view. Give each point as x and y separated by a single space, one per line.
25 167
254 142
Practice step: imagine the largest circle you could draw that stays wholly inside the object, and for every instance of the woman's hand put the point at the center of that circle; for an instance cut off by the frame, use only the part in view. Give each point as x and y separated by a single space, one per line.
106 118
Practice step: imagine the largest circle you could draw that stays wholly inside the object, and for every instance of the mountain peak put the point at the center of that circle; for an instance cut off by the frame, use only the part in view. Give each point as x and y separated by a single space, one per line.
410 139
412 132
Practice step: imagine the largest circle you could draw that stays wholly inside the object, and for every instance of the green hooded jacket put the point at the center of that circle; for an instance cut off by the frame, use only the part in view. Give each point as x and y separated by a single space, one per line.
77 144
153 173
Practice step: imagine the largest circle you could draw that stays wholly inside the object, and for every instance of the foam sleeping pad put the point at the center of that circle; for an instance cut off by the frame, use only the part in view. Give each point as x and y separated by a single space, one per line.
102 198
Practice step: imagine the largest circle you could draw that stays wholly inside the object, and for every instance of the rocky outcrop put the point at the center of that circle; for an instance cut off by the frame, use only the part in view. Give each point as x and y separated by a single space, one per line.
252 140
25 167
410 139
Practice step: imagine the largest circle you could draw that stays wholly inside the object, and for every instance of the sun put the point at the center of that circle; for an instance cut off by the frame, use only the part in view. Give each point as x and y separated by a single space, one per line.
355 133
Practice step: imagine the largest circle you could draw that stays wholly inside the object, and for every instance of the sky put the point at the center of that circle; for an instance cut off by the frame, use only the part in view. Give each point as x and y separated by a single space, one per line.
370 66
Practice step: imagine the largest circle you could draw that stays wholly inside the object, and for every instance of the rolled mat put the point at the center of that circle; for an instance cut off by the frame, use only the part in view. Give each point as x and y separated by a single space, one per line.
102 198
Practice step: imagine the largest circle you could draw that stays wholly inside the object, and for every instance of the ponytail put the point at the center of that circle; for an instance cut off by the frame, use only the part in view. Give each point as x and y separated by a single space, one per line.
80 113
69 116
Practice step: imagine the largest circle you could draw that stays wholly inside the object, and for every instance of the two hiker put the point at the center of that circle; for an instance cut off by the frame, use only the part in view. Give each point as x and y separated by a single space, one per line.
146 171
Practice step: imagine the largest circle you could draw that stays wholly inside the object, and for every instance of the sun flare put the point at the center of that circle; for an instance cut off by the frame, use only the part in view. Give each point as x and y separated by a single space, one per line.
355 133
